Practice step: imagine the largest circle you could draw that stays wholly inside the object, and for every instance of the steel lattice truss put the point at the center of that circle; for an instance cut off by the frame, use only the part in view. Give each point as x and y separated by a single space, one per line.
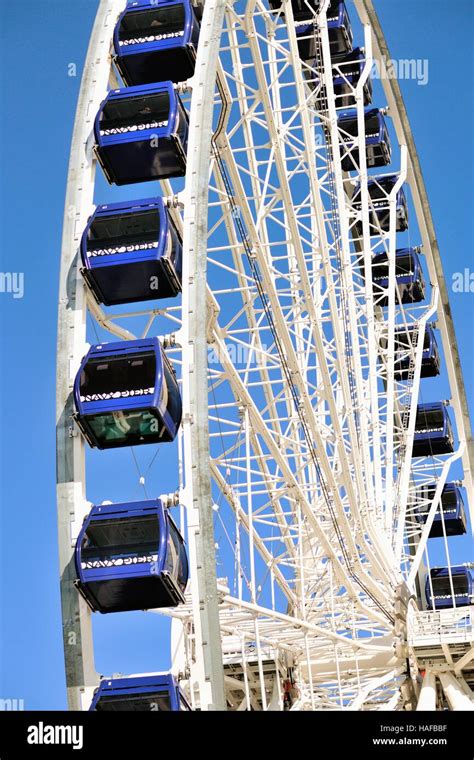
314 487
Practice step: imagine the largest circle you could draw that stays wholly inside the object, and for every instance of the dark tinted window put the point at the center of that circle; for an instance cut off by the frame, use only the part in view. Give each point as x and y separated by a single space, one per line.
123 114
143 703
112 232
152 23
442 586
174 399
430 420
118 375
109 539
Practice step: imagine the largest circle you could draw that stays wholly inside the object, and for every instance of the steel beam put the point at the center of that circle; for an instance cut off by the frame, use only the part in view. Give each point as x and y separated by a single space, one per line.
197 493
427 698
455 695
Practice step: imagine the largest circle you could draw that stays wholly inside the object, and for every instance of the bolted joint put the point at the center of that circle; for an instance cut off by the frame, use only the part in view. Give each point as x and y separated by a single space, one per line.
168 341
174 201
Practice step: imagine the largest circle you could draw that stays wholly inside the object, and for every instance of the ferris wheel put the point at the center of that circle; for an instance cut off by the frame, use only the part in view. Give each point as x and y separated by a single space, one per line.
263 433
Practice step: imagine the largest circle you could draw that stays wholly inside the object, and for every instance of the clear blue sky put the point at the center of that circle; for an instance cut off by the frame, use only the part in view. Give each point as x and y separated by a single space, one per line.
38 98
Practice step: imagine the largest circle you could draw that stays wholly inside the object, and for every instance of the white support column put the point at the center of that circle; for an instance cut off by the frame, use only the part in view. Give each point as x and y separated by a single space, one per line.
196 496
466 688
427 698
465 660
455 694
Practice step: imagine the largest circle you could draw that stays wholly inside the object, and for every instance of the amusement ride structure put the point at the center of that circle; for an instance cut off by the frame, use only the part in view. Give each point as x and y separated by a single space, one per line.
262 341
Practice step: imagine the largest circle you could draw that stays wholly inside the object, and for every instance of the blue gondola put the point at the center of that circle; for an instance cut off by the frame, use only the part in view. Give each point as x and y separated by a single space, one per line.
306 38
300 7
442 595
346 72
141 134
126 394
131 557
404 353
379 207
339 28
378 149
433 430
132 251
452 507
339 25
156 40
408 273
155 693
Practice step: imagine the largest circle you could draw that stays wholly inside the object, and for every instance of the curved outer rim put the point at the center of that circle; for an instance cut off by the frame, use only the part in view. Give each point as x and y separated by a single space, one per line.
415 179
71 346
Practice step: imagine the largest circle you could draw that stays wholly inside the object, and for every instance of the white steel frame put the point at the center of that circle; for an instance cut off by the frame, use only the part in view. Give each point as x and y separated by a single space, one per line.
296 437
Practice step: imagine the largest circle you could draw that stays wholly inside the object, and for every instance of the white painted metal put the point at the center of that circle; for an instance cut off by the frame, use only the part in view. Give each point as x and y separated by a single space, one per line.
430 247
292 406
77 634
207 673
427 698
455 694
